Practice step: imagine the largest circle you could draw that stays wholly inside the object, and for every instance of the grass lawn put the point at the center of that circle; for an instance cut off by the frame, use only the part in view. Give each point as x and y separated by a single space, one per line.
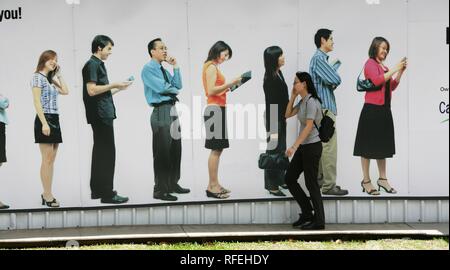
385 244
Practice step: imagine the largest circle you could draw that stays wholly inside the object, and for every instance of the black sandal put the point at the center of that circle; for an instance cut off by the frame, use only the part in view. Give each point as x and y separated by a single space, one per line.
219 195
3 206
277 193
52 204
391 191
372 192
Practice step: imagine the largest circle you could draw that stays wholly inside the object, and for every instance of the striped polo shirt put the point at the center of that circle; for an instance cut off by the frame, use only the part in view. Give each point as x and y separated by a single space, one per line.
326 79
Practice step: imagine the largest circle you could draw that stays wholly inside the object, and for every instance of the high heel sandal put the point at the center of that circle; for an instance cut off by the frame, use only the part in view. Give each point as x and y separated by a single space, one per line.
219 195
52 204
390 191
277 193
3 206
372 192
224 190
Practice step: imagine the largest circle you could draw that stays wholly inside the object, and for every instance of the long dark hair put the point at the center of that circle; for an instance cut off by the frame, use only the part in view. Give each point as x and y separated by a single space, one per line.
217 49
271 56
46 56
305 77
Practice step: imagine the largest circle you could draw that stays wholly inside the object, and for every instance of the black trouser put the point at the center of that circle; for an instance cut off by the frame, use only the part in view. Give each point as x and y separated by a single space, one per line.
166 149
275 178
306 160
103 160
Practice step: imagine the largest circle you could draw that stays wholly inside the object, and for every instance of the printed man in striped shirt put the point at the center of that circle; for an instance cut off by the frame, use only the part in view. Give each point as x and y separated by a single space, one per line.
326 80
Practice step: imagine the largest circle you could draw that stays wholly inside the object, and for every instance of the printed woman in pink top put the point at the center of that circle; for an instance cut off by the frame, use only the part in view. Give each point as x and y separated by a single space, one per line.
375 136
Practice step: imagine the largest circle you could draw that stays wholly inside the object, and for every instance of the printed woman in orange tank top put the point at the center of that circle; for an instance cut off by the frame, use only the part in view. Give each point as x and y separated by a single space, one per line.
216 90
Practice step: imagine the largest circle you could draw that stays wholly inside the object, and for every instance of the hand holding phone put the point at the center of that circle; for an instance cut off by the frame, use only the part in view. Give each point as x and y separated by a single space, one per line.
57 70
405 63
122 85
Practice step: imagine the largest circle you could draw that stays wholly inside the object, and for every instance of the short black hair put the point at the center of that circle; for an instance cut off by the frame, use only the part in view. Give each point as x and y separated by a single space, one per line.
322 33
101 41
151 45
217 49
376 43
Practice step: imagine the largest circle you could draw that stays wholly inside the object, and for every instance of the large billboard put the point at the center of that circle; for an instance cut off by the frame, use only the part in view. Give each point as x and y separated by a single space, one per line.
416 29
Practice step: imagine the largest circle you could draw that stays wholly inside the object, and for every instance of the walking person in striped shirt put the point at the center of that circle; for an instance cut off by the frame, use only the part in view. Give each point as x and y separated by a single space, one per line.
326 80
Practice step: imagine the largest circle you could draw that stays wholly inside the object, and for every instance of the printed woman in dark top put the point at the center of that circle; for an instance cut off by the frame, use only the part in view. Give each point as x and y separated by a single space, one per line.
276 98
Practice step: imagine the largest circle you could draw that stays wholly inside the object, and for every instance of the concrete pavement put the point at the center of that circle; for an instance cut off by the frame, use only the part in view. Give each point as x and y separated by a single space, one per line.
186 233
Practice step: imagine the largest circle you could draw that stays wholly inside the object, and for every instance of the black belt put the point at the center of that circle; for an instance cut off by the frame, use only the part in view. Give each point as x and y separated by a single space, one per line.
169 102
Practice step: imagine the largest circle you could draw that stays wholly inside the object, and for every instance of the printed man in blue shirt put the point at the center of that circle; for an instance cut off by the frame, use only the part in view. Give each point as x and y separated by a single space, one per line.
161 90
326 80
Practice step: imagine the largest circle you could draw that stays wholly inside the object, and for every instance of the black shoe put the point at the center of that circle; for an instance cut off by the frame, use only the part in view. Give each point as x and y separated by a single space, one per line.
96 196
116 199
4 206
303 220
312 226
165 197
336 191
180 190
277 193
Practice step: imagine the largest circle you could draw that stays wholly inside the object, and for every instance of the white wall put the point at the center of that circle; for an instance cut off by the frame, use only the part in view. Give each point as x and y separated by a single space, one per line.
189 28
429 69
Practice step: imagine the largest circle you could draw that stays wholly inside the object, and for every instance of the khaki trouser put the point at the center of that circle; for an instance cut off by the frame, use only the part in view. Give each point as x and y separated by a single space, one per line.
327 164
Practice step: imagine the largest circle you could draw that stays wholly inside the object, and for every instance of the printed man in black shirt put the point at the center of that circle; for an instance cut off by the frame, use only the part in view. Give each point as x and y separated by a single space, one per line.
100 114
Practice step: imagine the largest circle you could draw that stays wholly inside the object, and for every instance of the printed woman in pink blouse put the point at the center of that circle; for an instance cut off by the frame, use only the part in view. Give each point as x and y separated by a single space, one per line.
375 136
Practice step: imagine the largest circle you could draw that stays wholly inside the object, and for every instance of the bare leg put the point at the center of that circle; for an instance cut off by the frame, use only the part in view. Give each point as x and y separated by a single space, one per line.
48 153
365 163
382 168
213 168
383 181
